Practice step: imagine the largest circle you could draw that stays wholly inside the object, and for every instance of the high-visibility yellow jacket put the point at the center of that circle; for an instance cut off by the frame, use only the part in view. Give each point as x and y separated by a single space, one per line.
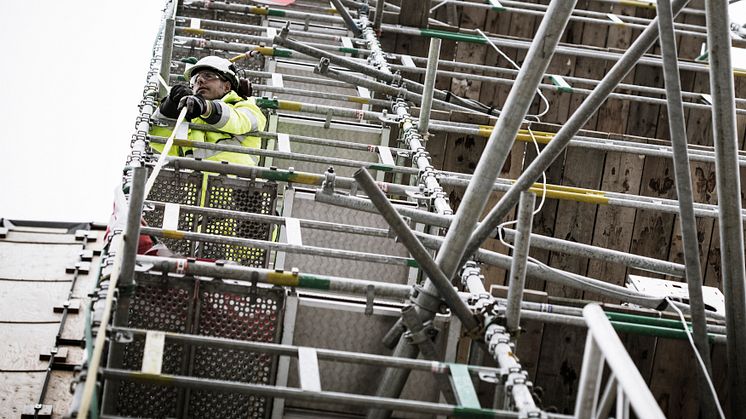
237 117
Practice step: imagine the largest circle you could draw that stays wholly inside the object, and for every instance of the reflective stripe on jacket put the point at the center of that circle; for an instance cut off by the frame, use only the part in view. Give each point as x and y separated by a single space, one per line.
238 117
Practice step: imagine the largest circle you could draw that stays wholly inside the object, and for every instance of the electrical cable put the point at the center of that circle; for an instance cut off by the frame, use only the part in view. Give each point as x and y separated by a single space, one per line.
698 356
513 63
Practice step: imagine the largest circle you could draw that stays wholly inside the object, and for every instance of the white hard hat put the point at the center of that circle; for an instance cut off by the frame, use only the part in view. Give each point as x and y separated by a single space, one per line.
217 64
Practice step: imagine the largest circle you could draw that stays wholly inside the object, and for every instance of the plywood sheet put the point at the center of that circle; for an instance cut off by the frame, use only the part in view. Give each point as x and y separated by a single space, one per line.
31 301
37 262
18 390
21 344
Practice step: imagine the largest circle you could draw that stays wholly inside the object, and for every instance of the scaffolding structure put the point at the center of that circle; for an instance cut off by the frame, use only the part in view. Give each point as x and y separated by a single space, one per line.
355 272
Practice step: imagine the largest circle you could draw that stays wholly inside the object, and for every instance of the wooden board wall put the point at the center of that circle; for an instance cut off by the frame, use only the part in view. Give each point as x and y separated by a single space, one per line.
553 354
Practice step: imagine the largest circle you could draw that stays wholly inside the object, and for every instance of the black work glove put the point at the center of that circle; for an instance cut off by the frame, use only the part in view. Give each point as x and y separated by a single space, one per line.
178 92
170 104
196 105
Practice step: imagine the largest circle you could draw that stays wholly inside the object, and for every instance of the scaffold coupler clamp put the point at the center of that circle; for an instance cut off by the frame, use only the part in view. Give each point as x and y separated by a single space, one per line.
421 196
327 186
422 152
402 92
426 301
426 333
284 32
397 80
322 67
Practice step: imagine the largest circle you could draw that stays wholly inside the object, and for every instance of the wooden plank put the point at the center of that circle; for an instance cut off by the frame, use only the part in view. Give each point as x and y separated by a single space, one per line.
18 390
544 220
466 52
652 237
416 46
590 68
514 25
675 386
447 49
653 229
699 132
612 229
583 168
719 359
642 351
560 384
562 346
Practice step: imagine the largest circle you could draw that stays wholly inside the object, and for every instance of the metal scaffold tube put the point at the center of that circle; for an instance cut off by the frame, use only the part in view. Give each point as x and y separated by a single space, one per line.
555 147
123 245
459 65
293 278
279 220
464 35
502 137
578 90
426 273
347 17
589 16
439 280
284 247
604 345
538 241
322 353
489 73
326 397
288 155
729 198
687 221
625 144
556 276
508 124
518 265
427 97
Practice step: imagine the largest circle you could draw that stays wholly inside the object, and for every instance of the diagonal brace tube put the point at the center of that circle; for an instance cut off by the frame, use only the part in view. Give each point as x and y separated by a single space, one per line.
555 147
347 17
479 190
418 251
503 135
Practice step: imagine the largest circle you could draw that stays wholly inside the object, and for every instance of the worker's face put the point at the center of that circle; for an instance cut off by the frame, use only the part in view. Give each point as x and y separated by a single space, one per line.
210 85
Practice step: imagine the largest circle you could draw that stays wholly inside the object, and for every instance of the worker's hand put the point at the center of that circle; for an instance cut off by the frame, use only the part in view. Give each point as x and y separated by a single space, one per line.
178 92
196 105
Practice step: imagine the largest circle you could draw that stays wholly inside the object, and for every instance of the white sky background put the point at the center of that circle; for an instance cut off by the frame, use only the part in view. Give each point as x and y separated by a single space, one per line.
71 77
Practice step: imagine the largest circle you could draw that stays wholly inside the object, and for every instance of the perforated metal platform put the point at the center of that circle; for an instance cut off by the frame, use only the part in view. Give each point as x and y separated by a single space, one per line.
221 193
187 305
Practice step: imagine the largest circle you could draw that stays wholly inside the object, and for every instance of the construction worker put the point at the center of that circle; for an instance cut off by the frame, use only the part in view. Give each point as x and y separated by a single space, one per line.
213 98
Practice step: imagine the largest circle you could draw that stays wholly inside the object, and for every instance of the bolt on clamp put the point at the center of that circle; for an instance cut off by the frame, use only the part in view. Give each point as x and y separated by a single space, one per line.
426 301
327 186
322 67
397 79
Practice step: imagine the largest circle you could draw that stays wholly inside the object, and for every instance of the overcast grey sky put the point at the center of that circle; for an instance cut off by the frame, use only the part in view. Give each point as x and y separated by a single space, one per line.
71 78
